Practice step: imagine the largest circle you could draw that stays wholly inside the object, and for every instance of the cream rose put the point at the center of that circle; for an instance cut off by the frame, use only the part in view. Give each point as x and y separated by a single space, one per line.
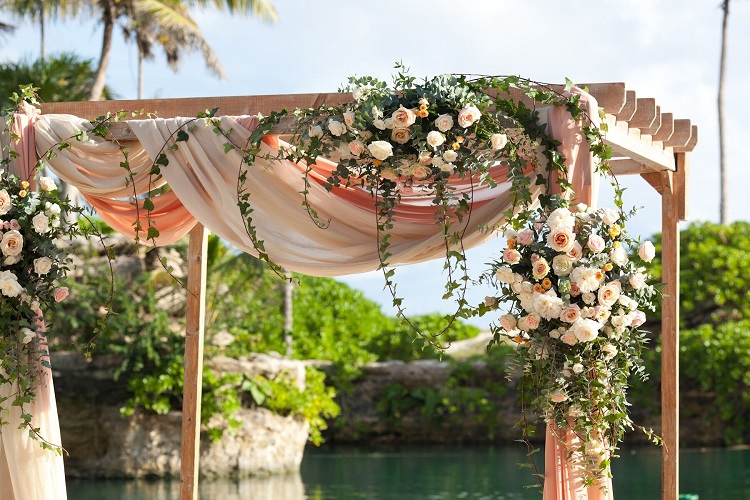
60 293
646 251
379 124
561 264
356 147
609 293
610 216
548 305
435 138
349 118
5 202
9 284
468 115
42 265
540 269
316 131
511 256
444 123
570 314
400 135
28 335
589 298
403 117
637 280
47 184
609 351
529 322
638 318
420 171
336 127
569 338
12 243
561 239
504 275
498 141
425 158
450 156
618 256
389 174
40 223
586 330
576 252
508 321
596 243
380 149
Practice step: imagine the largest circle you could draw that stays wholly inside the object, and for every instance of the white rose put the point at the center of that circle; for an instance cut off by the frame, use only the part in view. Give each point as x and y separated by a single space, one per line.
646 251
380 149
389 123
9 284
450 156
42 265
504 275
357 94
609 293
5 202
637 280
618 256
609 351
562 265
28 335
561 217
316 131
577 368
40 223
589 298
444 123
349 118
498 141
51 208
586 330
468 115
435 138
596 243
376 113
336 127
47 184
610 216
12 243
379 124
548 305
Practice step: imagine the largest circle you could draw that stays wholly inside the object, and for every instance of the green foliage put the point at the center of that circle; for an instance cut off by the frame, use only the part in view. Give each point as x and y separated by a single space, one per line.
714 271
469 394
61 77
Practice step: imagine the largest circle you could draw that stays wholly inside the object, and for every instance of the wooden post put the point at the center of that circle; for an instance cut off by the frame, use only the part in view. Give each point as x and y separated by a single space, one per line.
673 202
191 403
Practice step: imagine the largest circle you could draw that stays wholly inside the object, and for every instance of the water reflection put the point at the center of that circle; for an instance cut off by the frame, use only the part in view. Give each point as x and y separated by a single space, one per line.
439 474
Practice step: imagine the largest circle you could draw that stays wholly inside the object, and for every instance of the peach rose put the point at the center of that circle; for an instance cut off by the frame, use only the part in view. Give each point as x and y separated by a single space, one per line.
498 141
596 243
61 293
444 123
380 149
508 321
558 396
561 239
646 251
336 127
450 156
349 118
356 147
468 115
435 138
540 269
609 293
40 223
12 243
42 265
5 202
403 117
569 338
571 314
400 135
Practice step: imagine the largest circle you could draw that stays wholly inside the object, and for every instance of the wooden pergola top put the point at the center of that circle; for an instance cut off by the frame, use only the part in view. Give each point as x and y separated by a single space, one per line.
643 138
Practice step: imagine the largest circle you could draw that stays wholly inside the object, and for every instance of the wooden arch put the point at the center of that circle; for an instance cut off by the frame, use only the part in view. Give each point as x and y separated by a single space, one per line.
645 141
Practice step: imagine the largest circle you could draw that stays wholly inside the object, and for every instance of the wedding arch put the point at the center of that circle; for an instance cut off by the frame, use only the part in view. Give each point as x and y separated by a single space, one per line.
644 142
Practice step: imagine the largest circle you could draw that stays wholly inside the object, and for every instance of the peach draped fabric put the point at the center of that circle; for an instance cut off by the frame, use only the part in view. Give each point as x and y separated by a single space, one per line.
203 183
28 472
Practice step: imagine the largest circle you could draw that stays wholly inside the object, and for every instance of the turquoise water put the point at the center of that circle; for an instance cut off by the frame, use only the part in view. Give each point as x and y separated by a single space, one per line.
477 473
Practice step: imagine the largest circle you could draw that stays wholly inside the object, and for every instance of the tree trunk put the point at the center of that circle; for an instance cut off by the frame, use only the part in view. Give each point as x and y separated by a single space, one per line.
108 19
140 74
288 313
723 216
42 48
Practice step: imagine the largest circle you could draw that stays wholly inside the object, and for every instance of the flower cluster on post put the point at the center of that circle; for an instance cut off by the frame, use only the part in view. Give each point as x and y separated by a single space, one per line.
577 299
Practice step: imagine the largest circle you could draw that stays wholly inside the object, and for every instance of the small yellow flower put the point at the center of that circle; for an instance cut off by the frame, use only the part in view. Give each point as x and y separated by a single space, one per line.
459 139
24 184
616 244
456 146
22 193
614 231
608 266
547 283
377 163
423 107
599 275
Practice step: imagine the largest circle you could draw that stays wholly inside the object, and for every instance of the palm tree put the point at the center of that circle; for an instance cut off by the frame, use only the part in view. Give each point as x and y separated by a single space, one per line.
723 217
62 77
165 17
179 34
38 10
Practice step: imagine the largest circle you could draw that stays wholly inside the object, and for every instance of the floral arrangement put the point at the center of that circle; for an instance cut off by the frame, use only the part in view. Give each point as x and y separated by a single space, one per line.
577 301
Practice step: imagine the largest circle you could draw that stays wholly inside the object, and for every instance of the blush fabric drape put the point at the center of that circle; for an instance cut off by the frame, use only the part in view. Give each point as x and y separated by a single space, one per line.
28 472
202 181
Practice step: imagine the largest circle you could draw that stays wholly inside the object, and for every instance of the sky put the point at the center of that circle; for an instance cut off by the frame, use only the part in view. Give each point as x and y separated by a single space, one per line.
665 49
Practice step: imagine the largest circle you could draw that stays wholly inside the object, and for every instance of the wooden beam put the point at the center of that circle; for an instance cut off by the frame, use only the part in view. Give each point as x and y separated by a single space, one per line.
629 108
692 142
628 166
193 385
670 342
655 125
645 114
666 129
654 179
628 142
680 135
681 185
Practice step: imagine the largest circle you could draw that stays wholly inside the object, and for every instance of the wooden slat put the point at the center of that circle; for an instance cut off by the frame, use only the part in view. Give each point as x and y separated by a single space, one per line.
655 125
666 129
670 343
628 142
191 106
628 109
654 179
628 166
691 143
681 184
645 114
193 385
681 135
610 96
